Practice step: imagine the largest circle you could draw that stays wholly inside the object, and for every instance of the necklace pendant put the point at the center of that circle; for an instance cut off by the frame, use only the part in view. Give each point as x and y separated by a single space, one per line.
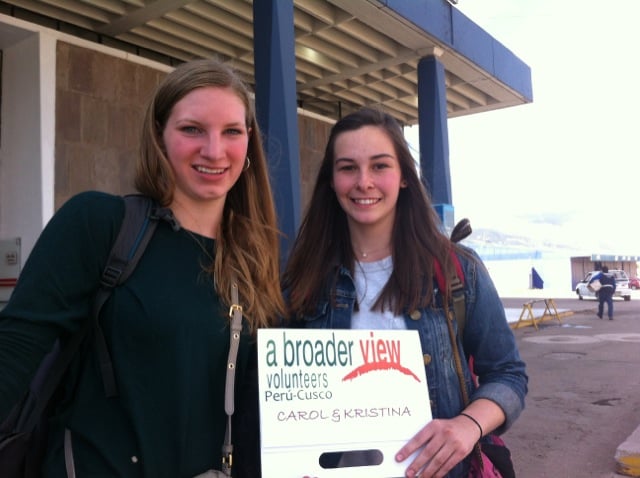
364 254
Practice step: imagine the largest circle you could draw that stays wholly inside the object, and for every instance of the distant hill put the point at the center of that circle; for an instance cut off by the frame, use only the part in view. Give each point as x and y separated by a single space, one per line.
493 245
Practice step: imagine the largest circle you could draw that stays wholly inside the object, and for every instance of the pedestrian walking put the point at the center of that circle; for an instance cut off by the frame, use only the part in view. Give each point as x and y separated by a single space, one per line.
605 293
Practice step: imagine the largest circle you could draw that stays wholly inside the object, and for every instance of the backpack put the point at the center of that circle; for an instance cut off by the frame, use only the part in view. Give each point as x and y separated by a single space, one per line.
493 457
23 434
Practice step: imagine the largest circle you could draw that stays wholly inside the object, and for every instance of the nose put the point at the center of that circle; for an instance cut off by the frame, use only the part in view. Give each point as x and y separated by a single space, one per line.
212 146
364 180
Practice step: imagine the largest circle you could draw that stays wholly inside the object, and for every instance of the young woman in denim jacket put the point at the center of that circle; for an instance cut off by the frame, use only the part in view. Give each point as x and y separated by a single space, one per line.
364 258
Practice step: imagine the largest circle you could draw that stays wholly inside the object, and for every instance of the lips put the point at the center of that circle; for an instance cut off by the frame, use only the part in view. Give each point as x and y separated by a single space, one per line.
365 201
205 170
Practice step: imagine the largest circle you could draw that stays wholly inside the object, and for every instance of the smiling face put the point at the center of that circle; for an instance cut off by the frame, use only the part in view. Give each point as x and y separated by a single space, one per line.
205 140
367 178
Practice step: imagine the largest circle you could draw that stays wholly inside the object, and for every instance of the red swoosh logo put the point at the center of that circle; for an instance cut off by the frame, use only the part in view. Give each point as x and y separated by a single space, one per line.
373 366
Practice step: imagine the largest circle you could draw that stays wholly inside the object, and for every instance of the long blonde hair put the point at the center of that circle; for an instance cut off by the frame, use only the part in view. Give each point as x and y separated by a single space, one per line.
247 245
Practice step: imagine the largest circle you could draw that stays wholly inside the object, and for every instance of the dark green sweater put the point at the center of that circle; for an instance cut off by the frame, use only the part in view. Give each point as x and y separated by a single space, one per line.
168 338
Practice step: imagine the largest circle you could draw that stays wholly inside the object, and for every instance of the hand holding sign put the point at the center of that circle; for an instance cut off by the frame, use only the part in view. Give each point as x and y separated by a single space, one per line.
336 399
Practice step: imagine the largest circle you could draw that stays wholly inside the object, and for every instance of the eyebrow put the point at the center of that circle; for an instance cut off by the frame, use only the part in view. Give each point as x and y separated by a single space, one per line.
195 121
382 156
236 124
374 157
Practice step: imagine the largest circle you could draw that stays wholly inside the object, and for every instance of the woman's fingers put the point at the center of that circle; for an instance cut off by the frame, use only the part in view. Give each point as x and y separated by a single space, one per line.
442 444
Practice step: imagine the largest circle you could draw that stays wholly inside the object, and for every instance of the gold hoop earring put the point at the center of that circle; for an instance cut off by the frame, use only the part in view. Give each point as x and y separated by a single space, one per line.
247 163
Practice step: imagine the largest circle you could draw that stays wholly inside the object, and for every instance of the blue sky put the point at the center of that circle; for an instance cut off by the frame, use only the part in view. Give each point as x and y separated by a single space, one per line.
565 167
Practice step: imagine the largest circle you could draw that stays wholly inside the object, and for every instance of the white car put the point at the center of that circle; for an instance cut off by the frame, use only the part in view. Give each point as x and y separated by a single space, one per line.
622 285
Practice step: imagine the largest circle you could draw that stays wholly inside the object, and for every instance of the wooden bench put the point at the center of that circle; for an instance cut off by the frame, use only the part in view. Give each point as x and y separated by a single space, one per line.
550 311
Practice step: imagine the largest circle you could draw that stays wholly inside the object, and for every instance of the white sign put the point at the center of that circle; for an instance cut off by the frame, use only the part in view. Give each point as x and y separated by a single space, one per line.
339 403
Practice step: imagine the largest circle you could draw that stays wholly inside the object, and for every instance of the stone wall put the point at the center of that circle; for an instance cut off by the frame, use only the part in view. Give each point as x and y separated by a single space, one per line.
313 138
100 103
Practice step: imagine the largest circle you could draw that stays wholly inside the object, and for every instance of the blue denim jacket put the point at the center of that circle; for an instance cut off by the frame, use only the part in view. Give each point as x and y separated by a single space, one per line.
487 337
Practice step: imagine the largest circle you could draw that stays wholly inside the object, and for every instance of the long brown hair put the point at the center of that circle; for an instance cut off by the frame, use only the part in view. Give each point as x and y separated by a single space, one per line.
323 242
247 244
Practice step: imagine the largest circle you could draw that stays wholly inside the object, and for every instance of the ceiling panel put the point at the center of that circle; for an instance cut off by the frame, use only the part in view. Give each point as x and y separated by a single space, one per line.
349 53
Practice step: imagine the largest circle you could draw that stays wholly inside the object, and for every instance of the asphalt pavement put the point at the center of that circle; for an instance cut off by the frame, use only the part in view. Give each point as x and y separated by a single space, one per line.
582 414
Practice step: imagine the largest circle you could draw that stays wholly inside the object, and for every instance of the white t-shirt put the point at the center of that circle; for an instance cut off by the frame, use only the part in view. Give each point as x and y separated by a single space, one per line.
370 278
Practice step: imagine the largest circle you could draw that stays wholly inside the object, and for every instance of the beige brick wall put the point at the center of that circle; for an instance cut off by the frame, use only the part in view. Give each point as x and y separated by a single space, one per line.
313 137
100 103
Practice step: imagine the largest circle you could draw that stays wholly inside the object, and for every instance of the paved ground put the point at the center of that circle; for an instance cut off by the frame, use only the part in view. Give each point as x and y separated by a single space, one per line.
584 395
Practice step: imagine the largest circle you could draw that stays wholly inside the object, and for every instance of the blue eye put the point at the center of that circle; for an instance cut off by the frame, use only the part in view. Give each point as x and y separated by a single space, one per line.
190 129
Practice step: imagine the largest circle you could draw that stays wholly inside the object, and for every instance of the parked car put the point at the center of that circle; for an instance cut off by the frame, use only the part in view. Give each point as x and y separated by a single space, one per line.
622 285
634 283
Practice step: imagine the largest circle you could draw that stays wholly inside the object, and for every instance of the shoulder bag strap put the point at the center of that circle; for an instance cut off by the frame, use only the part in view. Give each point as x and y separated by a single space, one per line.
235 312
451 316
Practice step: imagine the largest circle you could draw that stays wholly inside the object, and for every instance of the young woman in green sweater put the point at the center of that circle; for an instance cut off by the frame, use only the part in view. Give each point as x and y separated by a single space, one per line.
166 327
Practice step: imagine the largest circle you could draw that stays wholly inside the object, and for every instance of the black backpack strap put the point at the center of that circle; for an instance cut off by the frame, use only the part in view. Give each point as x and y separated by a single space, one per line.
138 225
